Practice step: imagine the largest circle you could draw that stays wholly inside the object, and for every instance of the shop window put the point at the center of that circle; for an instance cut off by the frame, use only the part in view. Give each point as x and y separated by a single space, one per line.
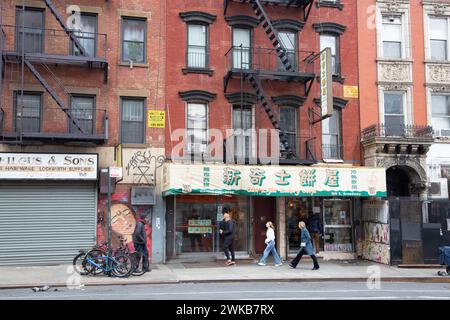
197 219
338 229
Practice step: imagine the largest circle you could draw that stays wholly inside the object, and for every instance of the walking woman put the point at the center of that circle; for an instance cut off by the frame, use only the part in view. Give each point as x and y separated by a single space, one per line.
306 247
270 247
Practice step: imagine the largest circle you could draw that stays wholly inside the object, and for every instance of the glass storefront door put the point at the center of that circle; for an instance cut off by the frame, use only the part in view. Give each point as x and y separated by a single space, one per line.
338 228
197 218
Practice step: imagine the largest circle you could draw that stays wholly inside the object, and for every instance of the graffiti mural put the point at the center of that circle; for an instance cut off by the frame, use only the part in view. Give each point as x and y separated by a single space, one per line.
142 167
123 220
375 241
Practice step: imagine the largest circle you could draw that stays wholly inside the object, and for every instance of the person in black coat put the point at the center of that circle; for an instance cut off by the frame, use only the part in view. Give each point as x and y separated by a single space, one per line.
140 243
227 227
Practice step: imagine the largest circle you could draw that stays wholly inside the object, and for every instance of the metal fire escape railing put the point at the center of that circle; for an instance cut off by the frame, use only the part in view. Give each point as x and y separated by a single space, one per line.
281 51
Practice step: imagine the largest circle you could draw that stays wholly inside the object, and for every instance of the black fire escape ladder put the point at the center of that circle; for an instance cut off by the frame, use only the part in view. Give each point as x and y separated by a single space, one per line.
67 30
273 116
271 33
53 94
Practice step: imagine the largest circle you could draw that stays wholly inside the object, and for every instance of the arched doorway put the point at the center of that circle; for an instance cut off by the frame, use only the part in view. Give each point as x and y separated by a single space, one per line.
405 211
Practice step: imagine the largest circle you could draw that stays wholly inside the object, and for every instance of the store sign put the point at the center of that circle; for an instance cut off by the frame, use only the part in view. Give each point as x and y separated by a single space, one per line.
275 180
156 119
40 166
326 83
351 92
116 172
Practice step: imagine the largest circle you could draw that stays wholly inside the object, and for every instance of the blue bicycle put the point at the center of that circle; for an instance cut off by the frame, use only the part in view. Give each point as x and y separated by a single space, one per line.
98 261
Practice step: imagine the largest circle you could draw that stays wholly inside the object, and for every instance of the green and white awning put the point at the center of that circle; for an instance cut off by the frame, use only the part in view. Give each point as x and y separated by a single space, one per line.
273 180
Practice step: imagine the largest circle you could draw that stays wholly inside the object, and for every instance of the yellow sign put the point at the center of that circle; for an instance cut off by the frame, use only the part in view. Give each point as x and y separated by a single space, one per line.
351 92
156 119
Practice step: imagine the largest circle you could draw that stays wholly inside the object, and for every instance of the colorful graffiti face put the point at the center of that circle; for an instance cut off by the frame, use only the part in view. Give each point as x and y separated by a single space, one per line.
123 221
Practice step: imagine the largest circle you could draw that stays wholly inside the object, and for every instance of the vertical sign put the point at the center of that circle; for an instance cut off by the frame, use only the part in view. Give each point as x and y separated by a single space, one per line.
326 83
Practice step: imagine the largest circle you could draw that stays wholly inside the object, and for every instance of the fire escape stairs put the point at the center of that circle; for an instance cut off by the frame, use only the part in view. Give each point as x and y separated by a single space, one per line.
53 94
268 108
61 22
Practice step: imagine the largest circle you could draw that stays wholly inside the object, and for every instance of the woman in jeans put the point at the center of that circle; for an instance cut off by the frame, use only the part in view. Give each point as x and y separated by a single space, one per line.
306 247
270 247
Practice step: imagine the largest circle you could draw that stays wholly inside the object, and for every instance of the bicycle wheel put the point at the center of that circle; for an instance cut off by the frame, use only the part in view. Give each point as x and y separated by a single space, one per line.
78 264
138 269
121 265
95 262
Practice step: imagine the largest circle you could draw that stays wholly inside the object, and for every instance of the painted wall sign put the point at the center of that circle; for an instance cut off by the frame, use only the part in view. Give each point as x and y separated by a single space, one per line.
351 92
39 166
275 180
326 82
156 119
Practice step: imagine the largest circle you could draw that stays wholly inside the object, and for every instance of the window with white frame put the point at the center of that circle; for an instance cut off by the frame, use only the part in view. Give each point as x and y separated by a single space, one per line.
197 128
438 34
440 110
328 40
197 46
394 113
392 36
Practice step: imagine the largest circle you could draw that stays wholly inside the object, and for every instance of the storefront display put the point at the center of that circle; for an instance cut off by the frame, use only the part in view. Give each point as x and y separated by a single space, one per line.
338 228
197 221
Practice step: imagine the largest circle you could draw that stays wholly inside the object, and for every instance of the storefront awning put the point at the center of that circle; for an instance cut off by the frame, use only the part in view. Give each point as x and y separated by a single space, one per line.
273 180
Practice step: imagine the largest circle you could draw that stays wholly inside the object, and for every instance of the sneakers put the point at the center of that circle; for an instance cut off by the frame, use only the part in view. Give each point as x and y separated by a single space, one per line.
261 264
278 264
230 263
315 268
291 266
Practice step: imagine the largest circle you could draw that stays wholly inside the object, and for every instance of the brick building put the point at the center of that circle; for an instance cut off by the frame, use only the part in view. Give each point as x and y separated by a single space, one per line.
235 69
78 81
404 88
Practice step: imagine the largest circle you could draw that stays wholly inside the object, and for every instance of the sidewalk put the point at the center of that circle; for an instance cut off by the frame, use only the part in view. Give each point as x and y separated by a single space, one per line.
60 276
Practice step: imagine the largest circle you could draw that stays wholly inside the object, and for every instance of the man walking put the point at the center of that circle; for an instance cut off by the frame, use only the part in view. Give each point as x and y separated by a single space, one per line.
315 228
306 247
227 230
140 243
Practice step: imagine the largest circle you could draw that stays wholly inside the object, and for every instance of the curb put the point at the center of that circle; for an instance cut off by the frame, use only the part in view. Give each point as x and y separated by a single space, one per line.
97 284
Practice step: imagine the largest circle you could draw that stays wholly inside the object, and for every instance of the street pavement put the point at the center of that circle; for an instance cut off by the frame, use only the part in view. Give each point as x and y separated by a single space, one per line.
344 271
236 291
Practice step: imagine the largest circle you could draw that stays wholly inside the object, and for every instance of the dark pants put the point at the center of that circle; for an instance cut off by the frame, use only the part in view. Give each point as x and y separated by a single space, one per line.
227 248
297 259
143 253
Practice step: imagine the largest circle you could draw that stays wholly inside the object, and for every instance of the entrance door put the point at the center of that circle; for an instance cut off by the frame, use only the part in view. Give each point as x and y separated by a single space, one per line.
263 211
406 230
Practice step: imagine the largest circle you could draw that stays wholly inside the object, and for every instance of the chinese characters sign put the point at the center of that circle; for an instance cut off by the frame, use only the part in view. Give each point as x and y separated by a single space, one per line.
275 180
326 82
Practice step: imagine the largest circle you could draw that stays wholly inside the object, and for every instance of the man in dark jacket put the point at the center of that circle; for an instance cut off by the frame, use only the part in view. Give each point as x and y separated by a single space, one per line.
140 243
227 231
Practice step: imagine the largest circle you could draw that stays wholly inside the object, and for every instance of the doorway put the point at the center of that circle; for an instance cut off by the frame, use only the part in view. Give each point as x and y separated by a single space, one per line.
263 211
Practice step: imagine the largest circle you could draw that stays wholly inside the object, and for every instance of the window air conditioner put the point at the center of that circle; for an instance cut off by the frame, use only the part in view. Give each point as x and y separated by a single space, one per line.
438 189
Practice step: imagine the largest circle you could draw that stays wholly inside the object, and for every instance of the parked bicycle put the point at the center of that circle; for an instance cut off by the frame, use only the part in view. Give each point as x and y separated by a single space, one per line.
138 268
97 261
78 260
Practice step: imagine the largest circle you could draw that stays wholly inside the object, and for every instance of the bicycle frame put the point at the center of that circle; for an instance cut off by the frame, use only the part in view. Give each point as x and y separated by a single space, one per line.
108 263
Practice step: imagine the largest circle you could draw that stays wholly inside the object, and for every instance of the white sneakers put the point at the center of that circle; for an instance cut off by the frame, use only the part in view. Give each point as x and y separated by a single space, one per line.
261 264
278 265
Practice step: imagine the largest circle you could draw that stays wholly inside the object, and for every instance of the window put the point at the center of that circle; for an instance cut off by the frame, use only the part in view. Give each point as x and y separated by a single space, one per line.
331 136
392 35
241 48
394 113
87 35
133 120
27 114
440 108
288 40
82 109
197 128
134 35
197 46
439 38
331 41
31 37
288 125
242 131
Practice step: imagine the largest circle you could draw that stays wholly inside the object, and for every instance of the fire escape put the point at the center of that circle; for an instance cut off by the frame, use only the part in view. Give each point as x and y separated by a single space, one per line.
17 58
274 64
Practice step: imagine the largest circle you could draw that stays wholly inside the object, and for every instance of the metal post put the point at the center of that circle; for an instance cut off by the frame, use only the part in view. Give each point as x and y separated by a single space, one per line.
109 213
